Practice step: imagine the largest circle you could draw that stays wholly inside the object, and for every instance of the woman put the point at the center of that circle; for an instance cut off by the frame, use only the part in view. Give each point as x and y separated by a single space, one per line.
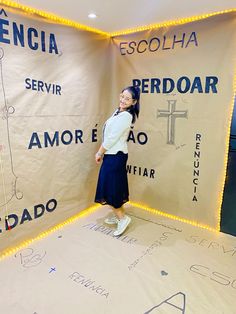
112 186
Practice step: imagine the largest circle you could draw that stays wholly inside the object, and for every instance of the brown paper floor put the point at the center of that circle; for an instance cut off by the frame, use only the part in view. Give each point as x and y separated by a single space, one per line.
158 266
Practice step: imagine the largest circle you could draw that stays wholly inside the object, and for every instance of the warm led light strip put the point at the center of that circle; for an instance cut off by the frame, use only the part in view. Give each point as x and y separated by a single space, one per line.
51 16
170 23
60 20
10 251
158 212
67 22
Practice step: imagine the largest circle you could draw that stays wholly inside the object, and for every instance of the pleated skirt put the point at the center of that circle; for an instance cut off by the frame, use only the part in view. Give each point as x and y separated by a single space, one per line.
112 185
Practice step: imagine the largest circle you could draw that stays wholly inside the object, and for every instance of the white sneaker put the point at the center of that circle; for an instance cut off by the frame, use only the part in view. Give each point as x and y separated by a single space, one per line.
111 220
122 225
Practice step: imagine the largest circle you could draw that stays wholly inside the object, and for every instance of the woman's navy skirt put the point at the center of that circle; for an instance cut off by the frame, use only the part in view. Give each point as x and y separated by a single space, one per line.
112 186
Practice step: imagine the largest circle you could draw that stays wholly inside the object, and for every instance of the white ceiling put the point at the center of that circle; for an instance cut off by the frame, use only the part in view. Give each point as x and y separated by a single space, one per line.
116 15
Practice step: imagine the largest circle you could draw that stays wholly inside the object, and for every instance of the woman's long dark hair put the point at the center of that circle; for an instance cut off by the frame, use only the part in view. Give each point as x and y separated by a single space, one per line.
134 109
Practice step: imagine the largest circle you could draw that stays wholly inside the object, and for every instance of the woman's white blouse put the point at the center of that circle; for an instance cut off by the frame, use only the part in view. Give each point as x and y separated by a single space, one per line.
116 131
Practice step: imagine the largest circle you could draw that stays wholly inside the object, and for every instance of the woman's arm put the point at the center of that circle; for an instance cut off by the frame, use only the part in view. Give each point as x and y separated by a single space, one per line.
122 122
99 154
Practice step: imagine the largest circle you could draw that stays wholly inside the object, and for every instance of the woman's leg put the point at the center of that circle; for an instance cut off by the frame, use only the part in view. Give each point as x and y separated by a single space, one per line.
122 222
119 212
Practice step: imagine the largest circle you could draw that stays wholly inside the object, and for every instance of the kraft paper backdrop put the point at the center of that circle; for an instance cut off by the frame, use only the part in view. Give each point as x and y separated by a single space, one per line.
65 173
160 266
90 72
210 53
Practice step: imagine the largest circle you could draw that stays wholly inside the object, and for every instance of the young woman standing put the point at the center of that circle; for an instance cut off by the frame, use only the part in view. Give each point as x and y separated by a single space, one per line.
112 186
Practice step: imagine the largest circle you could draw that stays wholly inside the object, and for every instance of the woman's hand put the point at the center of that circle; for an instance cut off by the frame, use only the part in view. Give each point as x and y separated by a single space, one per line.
98 157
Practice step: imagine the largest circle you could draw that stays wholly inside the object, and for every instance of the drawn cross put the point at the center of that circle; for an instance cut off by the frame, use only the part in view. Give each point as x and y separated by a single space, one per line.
171 114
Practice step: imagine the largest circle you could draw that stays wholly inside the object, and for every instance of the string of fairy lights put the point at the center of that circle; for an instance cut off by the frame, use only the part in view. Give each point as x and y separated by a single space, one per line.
61 20
67 22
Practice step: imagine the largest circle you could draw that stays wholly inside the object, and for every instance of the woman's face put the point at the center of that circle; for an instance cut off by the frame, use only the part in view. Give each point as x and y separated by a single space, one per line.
126 100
